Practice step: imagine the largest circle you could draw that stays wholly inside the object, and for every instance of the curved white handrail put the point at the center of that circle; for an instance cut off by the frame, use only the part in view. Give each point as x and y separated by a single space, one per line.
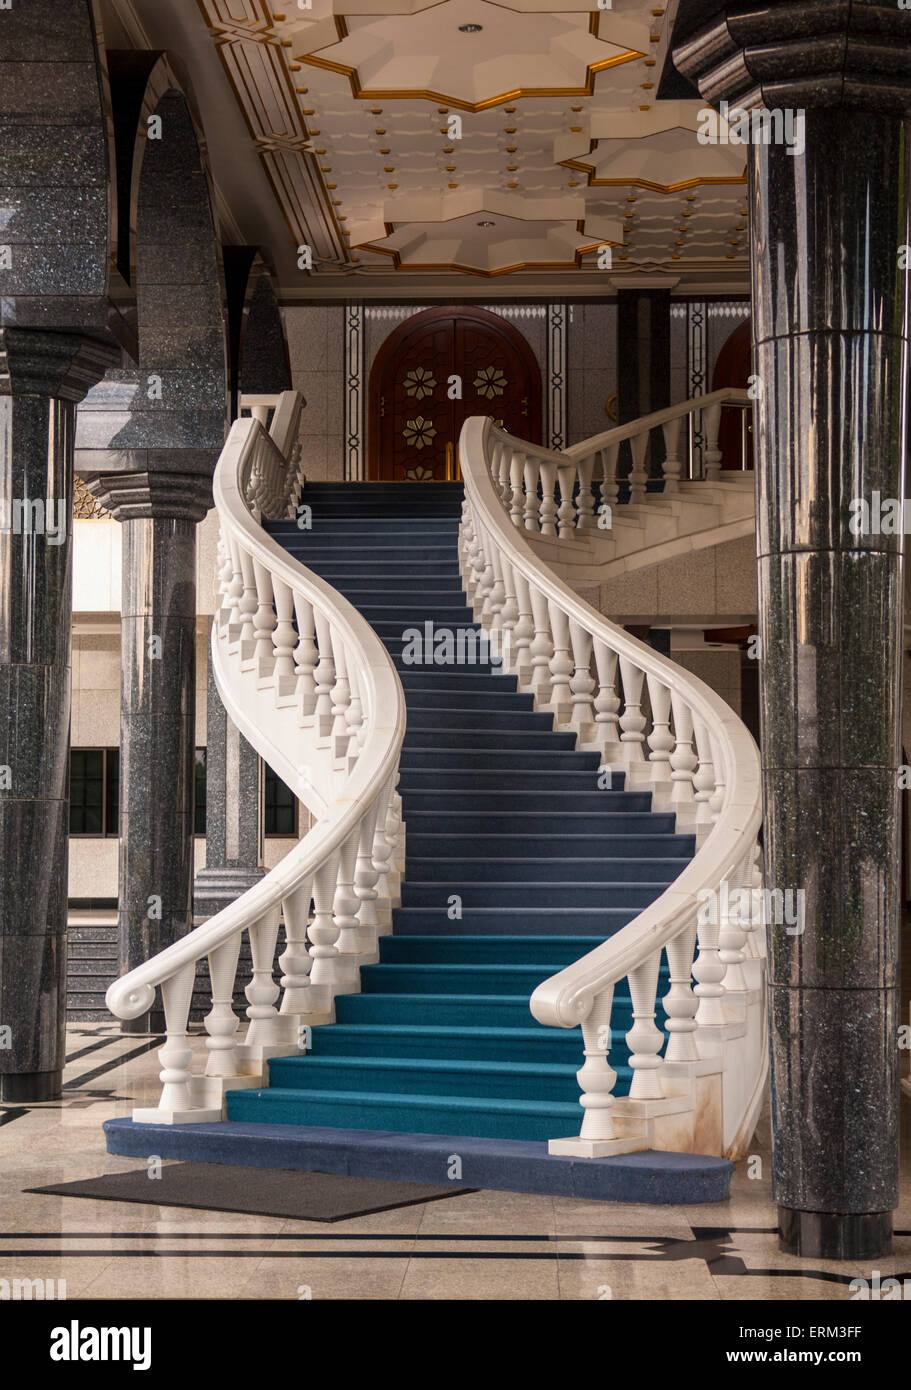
328 715
554 633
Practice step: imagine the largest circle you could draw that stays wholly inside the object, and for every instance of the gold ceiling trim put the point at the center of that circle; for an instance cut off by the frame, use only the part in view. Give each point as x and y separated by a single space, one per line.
361 93
434 267
594 182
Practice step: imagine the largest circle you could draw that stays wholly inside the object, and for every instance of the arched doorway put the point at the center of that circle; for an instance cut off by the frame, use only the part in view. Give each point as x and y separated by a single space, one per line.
734 368
413 424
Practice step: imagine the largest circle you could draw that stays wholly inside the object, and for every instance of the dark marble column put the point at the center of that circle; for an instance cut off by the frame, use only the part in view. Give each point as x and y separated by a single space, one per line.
158 513
830 317
643 354
42 376
232 811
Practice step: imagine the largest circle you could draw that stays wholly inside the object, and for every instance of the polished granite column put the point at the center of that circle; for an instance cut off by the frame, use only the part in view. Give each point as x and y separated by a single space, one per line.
232 811
158 514
830 316
42 376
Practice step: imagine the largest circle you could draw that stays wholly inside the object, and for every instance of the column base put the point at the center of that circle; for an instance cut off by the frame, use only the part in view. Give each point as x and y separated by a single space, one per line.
31 1087
215 888
824 1235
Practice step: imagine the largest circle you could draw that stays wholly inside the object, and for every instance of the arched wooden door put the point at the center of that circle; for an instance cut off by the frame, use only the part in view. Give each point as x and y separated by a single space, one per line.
414 421
733 368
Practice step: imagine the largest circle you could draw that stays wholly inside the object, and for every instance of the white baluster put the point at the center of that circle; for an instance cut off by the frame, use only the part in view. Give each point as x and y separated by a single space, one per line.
680 1003
610 487
711 424
561 665
704 779
221 1021
582 685
324 676
709 971
524 630
327 976
175 1105
341 697
607 702
234 595
306 656
683 759
517 493
509 613
645 1039
548 502
660 740
597 1077
345 908
542 647
566 514
632 720
532 505
248 605
585 509
264 1035
736 922
283 639
638 476
295 959
382 853
366 877
671 465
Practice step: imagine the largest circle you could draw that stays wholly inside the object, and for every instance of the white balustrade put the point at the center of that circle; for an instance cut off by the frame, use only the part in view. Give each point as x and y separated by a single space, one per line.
310 685
685 747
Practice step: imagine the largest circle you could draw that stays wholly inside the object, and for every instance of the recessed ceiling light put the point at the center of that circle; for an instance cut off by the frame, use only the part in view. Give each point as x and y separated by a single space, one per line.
470 28
487 224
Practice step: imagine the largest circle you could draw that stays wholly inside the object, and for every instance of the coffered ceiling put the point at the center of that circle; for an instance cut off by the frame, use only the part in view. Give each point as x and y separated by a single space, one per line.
416 143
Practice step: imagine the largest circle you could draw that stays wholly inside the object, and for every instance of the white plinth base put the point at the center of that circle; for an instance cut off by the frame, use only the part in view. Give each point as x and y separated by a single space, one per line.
594 1148
177 1117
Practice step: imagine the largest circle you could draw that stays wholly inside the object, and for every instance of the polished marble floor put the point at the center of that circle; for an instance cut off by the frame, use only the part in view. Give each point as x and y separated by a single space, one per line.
488 1245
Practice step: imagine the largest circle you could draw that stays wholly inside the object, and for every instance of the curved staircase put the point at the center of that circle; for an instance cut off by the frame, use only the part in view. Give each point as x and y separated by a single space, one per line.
506 827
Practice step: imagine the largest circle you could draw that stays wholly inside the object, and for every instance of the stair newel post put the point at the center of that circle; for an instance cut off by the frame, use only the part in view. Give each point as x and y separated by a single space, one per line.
284 638
306 656
711 425
632 720
548 471
517 491
607 702
561 665
221 1021
248 606
638 476
582 684
532 503
542 647
324 676
645 1039
704 778
596 1077
683 759
660 740
295 960
366 877
524 631
176 1055
345 908
680 1003
566 516
264 1034
326 973
341 696
610 487
671 466
585 509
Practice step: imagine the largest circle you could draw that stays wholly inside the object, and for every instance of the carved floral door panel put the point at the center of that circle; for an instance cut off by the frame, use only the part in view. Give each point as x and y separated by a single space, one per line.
416 422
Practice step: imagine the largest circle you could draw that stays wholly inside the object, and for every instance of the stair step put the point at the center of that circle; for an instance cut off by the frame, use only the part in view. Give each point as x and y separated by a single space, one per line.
519 801
572 896
428 1076
421 1040
445 821
543 870
484 950
599 924
556 846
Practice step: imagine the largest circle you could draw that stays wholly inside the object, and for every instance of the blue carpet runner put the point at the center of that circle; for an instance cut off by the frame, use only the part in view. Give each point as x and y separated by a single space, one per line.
505 824
506 820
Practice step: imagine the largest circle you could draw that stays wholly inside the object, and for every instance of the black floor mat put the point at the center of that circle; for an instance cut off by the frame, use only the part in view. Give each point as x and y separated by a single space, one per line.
255 1191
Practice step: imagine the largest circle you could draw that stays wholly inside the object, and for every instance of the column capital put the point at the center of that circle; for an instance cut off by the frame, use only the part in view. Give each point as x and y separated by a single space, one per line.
168 496
797 54
35 362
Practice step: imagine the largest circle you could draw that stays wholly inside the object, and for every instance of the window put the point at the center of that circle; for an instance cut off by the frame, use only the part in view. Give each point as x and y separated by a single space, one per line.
280 806
199 793
94 791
